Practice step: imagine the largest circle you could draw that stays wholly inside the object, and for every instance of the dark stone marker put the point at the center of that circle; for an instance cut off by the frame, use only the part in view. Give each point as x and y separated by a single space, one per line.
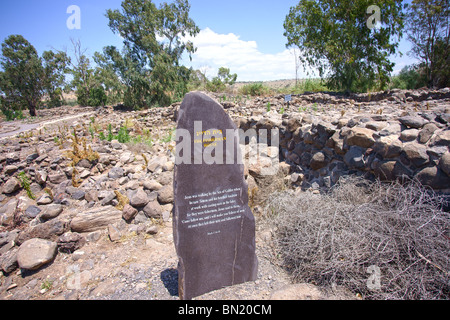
214 228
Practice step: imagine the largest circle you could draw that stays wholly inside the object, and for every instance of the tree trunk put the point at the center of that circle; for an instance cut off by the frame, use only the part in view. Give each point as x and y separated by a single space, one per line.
32 109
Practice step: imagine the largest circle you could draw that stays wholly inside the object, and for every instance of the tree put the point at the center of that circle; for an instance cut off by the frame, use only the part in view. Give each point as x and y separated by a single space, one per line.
55 69
334 37
83 74
223 79
428 31
21 80
154 41
106 74
126 75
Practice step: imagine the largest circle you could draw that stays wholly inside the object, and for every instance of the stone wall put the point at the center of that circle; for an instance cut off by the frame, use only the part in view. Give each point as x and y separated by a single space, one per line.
405 134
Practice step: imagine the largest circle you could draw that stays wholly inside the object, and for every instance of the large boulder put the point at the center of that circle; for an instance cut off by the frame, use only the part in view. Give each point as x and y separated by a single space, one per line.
49 230
416 153
434 178
35 253
361 137
95 219
444 163
413 121
388 147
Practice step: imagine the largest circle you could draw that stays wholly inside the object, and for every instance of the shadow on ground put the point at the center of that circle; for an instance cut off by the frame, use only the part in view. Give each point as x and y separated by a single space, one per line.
169 277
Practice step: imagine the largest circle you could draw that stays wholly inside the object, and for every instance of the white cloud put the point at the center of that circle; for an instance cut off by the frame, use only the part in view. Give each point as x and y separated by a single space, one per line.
242 57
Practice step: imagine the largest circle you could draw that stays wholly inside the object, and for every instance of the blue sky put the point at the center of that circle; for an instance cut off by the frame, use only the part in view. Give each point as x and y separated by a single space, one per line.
246 35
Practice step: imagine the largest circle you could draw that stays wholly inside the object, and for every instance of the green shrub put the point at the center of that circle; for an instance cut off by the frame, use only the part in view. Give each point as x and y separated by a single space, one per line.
25 183
123 136
97 97
254 89
409 77
12 114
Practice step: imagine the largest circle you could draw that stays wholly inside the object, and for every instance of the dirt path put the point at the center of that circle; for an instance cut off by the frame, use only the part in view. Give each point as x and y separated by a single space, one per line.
9 129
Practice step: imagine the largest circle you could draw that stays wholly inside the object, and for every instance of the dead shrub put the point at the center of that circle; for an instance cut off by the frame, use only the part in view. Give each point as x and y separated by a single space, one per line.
339 237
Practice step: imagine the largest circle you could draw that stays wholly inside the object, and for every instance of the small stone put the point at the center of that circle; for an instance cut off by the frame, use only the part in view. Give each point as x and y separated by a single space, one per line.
107 197
165 195
32 157
41 176
32 212
44 199
8 261
152 230
376 125
49 230
78 195
139 199
113 233
441 138
93 236
355 157
91 195
156 164
35 253
70 242
51 211
388 146
153 210
165 178
95 219
84 163
77 255
84 174
318 161
7 212
152 185
294 177
11 186
57 178
168 166
129 212
427 132
115 173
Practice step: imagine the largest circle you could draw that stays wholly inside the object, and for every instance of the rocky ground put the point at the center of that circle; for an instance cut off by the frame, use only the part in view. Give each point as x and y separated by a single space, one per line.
82 217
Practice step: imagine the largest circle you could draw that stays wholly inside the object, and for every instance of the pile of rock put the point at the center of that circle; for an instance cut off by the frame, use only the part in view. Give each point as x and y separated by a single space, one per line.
118 192
128 188
389 140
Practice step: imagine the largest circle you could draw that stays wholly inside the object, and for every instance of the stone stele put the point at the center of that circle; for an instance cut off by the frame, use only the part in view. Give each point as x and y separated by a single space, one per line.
214 228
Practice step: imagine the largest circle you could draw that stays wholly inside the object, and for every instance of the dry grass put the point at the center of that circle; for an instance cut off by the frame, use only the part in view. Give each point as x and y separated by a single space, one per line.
335 238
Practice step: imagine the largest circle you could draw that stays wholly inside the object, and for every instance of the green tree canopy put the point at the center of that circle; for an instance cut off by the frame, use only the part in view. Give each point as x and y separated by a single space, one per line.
154 41
55 69
333 36
21 79
223 79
